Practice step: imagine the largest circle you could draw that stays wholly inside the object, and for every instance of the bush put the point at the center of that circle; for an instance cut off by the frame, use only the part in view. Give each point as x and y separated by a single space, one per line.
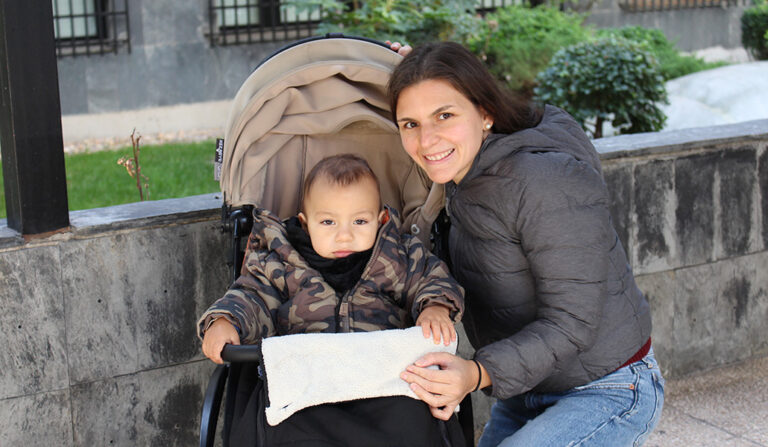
754 27
518 42
412 21
672 63
608 79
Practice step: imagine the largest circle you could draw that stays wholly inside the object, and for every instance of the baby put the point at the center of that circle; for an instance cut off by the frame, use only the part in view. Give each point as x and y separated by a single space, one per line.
341 265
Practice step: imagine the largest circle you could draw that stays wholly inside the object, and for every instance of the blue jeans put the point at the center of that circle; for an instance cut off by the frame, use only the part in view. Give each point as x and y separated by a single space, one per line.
619 409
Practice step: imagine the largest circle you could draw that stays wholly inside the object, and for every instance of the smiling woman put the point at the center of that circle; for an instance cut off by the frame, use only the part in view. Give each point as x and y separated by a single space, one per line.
531 241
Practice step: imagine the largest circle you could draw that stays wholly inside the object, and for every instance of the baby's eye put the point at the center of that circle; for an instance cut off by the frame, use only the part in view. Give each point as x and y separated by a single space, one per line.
445 115
326 222
360 221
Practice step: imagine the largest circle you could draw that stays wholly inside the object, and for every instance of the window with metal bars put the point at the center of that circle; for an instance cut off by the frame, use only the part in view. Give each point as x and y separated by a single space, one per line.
90 27
483 6
235 22
670 5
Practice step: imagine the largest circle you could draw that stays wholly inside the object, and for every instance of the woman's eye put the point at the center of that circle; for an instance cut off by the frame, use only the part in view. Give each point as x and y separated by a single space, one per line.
445 115
360 221
409 125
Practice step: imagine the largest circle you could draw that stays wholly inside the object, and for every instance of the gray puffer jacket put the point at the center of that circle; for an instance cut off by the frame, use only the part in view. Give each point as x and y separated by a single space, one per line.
551 301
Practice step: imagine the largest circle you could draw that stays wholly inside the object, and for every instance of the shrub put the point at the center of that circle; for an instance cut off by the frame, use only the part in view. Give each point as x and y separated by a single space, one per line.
754 26
607 79
672 63
518 42
412 21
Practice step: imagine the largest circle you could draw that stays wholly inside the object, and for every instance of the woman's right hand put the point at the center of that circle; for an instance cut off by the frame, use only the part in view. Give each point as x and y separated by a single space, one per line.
445 388
220 333
401 49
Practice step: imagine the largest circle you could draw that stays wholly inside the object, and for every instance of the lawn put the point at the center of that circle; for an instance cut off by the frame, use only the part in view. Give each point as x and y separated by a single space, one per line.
174 170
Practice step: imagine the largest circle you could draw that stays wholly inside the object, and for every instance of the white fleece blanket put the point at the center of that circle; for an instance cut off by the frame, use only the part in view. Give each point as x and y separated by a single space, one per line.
310 369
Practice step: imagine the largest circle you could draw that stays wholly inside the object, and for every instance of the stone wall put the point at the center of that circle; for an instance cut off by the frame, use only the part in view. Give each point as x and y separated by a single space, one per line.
692 208
98 326
98 321
690 29
172 62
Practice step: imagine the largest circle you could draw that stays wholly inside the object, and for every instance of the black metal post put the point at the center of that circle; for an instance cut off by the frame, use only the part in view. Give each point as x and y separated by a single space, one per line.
30 119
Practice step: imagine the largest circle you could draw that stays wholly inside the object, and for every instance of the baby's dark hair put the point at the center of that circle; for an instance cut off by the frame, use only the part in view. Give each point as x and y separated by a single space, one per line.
341 169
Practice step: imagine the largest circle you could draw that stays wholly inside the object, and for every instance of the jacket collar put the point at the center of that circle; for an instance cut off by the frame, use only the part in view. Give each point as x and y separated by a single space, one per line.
556 132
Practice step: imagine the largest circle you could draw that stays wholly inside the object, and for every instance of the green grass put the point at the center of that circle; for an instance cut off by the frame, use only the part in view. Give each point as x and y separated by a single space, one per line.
95 179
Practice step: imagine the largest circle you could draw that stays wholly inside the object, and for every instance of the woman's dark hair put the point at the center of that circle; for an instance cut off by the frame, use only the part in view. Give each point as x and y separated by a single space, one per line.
453 63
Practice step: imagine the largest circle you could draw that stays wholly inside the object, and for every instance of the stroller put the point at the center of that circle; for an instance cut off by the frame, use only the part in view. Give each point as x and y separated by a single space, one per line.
314 98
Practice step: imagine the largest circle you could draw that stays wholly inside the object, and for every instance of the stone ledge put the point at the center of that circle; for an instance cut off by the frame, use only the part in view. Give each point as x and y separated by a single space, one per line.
138 214
653 143
131 215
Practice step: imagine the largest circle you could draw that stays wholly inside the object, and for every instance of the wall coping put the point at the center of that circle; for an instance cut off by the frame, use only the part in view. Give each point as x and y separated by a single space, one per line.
207 206
655 143
151 213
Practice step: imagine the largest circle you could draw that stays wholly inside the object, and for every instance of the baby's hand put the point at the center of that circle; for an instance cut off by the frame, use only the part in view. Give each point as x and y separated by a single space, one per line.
435 321
219 334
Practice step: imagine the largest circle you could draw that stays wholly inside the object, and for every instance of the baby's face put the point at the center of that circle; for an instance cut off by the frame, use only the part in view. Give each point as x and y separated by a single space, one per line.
342 220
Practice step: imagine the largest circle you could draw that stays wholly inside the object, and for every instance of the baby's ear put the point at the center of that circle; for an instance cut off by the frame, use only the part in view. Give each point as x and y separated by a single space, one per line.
303 220
383 216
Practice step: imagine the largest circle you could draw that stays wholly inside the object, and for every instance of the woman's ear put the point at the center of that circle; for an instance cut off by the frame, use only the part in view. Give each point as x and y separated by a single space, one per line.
487 119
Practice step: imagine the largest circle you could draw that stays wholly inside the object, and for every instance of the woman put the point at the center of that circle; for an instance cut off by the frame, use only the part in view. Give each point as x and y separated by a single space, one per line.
561 331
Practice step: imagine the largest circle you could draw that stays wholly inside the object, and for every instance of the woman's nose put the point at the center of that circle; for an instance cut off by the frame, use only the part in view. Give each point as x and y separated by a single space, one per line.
427 135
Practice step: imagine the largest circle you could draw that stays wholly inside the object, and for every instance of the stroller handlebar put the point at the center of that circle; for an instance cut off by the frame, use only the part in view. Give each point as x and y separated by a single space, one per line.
241 353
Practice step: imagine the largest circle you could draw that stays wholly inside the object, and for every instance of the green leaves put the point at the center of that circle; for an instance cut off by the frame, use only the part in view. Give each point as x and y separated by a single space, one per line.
672 64
608 79
411 21
517 42
754 31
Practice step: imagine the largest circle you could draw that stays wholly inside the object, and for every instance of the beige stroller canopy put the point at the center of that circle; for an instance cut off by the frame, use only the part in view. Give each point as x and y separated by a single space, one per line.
314 99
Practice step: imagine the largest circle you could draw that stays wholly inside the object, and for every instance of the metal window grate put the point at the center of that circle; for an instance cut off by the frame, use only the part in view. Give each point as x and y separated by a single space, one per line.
671 5
485 6
237 22
90 27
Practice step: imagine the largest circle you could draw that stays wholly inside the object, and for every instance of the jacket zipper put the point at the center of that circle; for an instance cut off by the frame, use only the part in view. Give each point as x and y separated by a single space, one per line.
343 314
342 311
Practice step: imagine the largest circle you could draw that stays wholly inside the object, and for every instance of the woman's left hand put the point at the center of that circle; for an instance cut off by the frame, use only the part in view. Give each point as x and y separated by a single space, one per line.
445 388
401 49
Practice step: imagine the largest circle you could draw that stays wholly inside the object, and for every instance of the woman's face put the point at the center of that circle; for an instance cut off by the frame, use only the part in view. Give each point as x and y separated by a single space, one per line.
440 129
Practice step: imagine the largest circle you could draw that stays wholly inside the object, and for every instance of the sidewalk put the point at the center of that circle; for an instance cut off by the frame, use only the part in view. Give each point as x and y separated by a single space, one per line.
726 407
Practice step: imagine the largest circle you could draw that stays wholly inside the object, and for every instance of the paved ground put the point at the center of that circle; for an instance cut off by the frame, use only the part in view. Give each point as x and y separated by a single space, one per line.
726 407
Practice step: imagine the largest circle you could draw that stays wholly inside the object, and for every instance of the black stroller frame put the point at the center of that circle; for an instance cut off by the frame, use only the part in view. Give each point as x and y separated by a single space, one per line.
238 221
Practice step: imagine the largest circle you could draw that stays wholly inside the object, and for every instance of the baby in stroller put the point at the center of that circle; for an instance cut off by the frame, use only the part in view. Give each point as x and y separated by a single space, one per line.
341 265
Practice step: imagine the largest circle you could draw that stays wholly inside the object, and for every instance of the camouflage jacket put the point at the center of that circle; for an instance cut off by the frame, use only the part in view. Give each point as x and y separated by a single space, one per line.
278 293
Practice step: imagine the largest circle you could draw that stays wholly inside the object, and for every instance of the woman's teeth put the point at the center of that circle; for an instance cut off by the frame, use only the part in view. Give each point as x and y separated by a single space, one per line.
440 156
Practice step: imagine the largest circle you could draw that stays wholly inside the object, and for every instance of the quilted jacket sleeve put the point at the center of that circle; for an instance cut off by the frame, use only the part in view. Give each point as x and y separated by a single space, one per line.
251 302
429 282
